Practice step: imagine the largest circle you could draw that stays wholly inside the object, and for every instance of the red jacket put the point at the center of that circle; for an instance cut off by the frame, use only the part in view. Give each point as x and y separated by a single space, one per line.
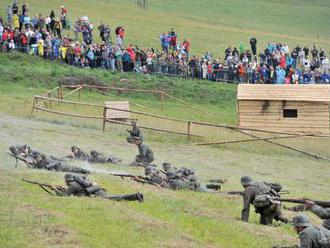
186 45
23 39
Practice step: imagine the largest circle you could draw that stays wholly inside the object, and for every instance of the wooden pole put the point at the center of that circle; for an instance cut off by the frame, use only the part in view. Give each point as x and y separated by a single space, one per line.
80 94
188 130
104 117
249 140
33 106
162 100
69 114
317 156
153 129
50 102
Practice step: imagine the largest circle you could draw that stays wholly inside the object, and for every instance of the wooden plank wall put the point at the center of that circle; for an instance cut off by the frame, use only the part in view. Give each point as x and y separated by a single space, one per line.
115 114
313 117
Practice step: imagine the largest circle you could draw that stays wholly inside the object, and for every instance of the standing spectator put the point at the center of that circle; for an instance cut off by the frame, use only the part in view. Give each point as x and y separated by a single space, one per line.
9 15
15 8
253 43
173 39
25 9
186 47
15 21
63 17
325 65
57 28
52 21
48 21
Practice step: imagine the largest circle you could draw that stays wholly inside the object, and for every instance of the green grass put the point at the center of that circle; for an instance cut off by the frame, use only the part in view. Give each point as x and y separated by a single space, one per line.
32 218
210 25
166 219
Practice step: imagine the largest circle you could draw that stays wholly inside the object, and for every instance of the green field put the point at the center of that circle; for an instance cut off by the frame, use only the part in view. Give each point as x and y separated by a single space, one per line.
32 218
166 219
210 25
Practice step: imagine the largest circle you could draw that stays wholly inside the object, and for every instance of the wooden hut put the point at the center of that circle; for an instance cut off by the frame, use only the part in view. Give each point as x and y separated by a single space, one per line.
284 108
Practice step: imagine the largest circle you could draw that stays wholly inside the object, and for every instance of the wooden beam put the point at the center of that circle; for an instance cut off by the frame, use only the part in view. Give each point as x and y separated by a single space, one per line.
250 140
68 114
313 155
153 129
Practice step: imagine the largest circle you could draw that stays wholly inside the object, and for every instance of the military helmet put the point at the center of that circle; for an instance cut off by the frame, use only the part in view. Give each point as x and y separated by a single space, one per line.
166 165
38 157
246 181
94 153
73 148
69 177
171 175
149 169
191 171
301 221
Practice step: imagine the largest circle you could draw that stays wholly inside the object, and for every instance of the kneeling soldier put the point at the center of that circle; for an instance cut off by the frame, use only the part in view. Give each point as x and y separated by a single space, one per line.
263 197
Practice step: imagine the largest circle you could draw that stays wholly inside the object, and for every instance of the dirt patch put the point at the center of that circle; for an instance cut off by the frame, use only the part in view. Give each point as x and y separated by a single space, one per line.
72 80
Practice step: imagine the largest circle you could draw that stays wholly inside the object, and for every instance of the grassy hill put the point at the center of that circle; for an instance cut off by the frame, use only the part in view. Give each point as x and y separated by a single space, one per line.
210 25
166 219
32 218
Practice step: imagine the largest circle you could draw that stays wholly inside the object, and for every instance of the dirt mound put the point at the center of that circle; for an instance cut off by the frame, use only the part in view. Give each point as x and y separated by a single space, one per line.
82 79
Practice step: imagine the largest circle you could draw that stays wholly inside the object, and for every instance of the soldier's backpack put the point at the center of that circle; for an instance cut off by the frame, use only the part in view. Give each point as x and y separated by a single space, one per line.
261 201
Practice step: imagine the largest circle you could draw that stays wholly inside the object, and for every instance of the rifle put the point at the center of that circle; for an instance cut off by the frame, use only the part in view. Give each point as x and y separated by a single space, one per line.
324 204
44 186
278 246
140 179
28 163
241 193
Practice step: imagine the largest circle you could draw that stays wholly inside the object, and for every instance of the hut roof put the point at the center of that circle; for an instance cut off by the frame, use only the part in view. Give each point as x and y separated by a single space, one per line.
280 92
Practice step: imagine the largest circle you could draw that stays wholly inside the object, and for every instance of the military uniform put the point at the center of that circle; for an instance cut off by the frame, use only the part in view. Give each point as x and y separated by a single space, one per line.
145 156
43 162
134 132
79 154
155 177
310 236
323 213
314 237
97 157
261 195
37 160
82 186
175 182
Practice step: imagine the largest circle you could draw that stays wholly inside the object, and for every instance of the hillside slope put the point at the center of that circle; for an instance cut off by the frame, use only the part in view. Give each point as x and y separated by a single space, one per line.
210 25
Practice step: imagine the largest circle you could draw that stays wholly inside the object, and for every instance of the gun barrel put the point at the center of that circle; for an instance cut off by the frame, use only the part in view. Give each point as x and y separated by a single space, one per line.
324 204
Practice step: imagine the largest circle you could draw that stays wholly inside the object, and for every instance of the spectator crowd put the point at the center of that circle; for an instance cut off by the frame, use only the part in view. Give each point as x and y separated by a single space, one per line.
48 37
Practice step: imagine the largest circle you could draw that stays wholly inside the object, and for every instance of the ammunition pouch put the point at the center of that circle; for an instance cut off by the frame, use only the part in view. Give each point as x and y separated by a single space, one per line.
93 189
261 201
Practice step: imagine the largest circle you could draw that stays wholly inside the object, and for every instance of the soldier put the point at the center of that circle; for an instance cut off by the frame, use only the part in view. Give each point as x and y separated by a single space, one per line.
323 213
168 167
97 157
146 155
156 177
43 162
81 186
78 154
310 236
175 182
134 132
261 195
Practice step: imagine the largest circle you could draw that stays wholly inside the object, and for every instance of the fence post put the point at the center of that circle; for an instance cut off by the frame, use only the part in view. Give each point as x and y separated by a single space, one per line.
80 94
188 130
33 105
162 100
104 117
50 102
